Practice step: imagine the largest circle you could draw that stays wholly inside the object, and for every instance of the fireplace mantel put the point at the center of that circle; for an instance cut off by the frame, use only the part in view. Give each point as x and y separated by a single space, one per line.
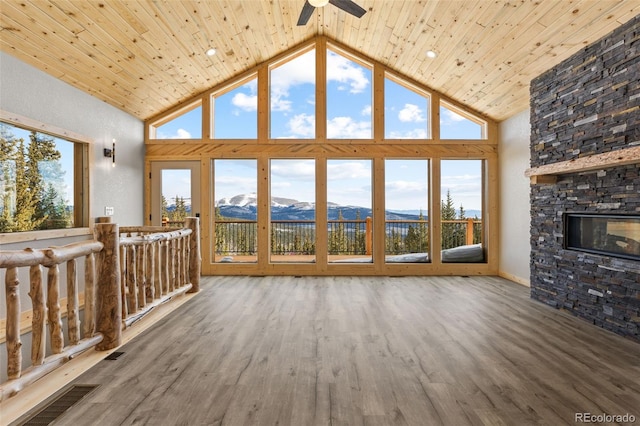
548 173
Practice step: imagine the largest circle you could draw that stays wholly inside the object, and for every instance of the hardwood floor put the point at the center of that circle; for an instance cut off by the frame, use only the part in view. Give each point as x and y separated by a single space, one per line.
363 350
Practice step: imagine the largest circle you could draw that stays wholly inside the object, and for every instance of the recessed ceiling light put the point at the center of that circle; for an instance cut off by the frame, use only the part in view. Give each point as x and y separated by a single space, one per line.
211 52
431 54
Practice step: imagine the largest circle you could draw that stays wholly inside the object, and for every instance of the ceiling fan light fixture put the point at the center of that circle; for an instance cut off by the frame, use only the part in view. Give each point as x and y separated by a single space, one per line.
318 3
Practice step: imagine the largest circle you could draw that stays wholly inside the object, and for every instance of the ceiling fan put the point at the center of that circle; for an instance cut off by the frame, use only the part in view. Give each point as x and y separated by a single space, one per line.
347 5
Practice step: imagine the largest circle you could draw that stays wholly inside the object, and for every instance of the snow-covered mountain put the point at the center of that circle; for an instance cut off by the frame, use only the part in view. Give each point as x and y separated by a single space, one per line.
244 206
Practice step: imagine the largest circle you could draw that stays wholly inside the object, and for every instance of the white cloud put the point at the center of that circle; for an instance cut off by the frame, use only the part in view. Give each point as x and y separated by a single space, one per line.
465 189
345 71
408 134
405 186
179 134
294 170
452 116
279 104
348 128
302 126
245 102
300 70
348 170
366 111
411 114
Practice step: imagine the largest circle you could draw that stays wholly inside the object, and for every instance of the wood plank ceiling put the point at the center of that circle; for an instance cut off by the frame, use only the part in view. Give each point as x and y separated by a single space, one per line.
147 56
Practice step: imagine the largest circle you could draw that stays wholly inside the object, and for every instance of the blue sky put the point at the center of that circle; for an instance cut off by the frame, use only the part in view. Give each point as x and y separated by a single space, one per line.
349 100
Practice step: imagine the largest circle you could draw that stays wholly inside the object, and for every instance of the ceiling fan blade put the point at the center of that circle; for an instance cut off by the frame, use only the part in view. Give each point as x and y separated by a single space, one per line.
349 7
307 11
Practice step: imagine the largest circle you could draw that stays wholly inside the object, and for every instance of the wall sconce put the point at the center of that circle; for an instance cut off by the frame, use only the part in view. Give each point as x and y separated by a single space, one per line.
111 153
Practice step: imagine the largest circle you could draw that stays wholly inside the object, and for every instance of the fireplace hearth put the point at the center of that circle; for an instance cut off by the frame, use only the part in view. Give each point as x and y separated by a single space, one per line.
609 235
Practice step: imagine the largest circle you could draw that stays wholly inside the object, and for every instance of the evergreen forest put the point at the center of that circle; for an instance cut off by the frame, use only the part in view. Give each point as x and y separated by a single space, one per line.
32 186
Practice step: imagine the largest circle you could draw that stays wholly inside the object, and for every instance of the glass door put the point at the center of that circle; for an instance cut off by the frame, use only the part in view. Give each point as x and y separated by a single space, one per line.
175 191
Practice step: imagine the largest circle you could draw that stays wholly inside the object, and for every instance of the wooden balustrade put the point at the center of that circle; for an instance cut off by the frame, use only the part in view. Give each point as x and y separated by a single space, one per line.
157 265
127 272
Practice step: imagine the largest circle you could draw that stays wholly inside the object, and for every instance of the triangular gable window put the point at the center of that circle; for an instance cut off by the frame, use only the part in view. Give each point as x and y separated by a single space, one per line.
457 124
186 124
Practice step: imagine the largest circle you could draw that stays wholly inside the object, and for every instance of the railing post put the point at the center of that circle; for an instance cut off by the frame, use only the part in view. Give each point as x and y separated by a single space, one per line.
195 258
39 322
89 295
469 231
368 241
14 345
108 297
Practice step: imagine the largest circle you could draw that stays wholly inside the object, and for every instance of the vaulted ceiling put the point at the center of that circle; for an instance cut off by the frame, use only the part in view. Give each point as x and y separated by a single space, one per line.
146 56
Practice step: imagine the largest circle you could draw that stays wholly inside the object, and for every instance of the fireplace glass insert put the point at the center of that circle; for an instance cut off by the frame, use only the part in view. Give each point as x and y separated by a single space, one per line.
611 235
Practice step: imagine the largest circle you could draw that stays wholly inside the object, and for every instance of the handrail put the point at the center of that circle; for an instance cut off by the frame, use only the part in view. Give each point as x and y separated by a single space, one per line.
238 236
117 265
51 258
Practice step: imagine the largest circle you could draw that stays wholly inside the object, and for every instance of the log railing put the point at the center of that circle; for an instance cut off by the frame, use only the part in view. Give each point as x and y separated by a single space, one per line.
127 272
156 265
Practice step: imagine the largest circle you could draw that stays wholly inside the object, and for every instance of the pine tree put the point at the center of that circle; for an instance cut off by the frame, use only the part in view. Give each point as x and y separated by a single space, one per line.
448 212
423 234
26 197
358 236
165 210
7 178
412 241
180 212
42 159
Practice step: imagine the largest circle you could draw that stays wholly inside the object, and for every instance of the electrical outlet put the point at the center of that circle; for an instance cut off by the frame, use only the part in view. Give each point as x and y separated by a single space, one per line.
108 211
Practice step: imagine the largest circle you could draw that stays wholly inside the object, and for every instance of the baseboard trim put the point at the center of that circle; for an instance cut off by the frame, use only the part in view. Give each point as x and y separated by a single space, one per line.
514 278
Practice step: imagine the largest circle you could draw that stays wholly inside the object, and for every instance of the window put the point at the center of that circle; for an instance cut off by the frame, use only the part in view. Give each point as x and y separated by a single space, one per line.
406 112
349 98
236 210
186 125
293 210
349 212
293 98
38 186
461 209
235 112
406 211
456 124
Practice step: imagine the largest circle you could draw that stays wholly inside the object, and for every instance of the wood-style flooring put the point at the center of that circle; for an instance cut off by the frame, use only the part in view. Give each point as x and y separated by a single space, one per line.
363 351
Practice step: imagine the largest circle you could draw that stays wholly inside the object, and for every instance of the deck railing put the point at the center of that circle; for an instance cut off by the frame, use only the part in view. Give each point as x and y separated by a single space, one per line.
127 271
345 237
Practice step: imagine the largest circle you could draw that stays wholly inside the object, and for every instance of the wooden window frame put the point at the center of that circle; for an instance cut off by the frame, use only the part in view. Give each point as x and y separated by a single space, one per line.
81 212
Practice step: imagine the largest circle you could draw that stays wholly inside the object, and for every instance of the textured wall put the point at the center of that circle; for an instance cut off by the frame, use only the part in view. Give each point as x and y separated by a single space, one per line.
31 93
586 105
513 155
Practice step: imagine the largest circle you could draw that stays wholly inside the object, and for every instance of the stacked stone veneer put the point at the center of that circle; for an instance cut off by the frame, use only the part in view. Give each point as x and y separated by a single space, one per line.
588 104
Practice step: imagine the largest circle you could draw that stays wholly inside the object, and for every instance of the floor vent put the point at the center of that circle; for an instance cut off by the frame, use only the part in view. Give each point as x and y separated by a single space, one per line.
57 406
113 356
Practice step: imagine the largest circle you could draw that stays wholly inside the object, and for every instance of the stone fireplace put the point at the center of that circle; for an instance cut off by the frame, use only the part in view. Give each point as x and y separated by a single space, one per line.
585 159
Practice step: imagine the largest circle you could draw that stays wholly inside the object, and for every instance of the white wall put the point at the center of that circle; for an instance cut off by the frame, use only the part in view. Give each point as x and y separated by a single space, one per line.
31 93
515 211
